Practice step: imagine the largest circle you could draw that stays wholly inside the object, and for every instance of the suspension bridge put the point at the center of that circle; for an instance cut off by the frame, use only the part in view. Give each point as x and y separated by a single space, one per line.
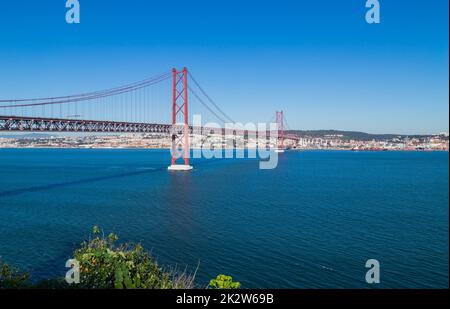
132 108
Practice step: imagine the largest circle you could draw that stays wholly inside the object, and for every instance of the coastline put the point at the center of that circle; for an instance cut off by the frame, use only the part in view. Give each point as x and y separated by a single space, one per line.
225 149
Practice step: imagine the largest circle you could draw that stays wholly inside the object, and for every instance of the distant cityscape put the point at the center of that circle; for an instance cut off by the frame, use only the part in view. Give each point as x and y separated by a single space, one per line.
331 140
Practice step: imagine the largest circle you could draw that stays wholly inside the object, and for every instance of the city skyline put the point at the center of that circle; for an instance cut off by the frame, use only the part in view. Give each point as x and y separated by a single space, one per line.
321 63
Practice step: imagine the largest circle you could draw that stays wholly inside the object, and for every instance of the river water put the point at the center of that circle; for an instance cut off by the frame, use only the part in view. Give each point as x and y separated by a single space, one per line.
312 222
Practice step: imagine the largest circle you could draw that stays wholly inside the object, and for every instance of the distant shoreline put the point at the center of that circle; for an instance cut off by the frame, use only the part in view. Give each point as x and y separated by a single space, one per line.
293 149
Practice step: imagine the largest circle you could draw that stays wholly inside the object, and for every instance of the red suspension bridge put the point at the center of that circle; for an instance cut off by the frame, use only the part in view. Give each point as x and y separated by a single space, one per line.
132 108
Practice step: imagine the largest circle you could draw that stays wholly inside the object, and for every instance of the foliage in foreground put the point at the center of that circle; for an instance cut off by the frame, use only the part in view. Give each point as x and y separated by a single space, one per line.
224 282
106 265
12 277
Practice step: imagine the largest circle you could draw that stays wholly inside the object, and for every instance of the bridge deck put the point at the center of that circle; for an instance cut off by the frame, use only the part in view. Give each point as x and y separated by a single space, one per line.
18 123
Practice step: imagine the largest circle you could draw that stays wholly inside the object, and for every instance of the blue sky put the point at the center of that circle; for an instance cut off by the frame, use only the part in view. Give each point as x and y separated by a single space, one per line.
319 61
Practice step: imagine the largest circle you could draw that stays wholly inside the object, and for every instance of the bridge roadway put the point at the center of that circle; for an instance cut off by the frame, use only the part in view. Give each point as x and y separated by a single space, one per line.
18 123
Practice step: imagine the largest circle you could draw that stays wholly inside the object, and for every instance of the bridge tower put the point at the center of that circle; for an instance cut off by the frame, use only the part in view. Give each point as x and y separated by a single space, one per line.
180 121
280 128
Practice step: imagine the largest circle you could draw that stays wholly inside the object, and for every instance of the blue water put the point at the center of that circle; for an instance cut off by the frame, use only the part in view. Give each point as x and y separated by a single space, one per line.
310 223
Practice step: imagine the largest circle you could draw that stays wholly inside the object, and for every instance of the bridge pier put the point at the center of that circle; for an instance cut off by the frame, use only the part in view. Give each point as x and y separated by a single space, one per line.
180 167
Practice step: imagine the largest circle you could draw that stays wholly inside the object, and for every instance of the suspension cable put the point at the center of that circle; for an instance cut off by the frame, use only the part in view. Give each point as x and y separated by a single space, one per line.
161 76
89 96
205 105
209 99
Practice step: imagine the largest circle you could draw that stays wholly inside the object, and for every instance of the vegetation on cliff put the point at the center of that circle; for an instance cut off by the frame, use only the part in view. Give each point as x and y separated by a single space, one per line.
103 263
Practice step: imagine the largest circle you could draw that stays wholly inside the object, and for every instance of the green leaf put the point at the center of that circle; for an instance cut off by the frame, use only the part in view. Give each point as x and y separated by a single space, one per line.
224 282
95 230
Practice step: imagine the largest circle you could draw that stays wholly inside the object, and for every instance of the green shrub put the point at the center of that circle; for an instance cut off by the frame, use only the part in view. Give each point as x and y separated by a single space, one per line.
224 282
106 265
12 278
103 264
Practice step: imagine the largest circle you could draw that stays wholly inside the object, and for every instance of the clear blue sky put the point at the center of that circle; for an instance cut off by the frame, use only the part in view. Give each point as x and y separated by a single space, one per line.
319 61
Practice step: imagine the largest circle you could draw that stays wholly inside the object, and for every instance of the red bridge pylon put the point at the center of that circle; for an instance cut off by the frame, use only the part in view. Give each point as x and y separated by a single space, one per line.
180 121
280 128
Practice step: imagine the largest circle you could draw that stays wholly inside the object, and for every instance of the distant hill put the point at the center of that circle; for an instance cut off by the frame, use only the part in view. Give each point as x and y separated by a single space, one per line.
355 135
26 135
